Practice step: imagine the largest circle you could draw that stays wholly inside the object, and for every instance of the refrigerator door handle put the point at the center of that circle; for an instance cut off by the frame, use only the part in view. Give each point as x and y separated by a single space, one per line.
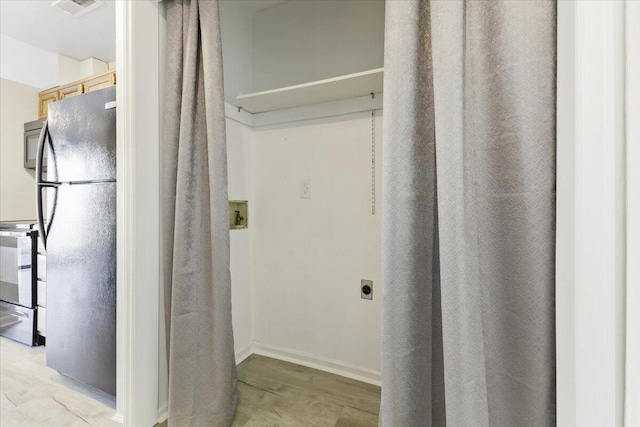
42 230
41 145
41 184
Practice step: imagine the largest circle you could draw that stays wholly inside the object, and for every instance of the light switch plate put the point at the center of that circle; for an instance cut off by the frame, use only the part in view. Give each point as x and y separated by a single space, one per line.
305 188
366 289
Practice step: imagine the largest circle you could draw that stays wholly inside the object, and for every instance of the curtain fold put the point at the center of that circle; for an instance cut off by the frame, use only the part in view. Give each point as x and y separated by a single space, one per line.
412 375
202 371
469 213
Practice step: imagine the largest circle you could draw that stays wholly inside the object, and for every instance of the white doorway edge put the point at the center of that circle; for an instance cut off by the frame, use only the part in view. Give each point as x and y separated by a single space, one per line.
590 252
138 211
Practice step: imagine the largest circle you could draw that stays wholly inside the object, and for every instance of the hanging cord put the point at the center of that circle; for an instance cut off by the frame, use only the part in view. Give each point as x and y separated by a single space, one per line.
373 162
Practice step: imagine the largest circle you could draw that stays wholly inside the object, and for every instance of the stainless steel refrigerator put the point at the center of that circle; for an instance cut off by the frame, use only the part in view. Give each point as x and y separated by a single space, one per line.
80 236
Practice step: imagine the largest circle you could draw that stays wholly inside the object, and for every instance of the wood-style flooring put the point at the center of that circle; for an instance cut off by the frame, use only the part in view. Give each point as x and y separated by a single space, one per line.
277 393
31 394
272 393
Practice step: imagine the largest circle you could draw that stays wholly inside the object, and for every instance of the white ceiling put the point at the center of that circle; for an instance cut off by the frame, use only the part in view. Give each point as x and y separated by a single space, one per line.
37 23
93 35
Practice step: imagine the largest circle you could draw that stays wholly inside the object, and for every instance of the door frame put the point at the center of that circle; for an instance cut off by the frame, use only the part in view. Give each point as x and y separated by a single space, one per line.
632 99
591 222
138 210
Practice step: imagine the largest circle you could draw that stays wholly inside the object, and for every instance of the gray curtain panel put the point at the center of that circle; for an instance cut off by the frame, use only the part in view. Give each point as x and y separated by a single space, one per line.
469 214
202 370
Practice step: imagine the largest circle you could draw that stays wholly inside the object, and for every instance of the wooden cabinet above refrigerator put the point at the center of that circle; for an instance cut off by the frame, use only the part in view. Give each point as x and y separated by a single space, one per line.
89 84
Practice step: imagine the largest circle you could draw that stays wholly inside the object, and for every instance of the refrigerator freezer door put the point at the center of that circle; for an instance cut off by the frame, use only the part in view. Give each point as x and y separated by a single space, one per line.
82 138
81 285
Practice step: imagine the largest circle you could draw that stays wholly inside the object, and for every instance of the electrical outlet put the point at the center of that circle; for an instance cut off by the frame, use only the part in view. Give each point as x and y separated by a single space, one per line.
305 188
366 289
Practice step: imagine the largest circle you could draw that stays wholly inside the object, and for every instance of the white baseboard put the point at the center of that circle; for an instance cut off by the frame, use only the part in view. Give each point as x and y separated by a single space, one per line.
318 362
163 413
244 353
119 418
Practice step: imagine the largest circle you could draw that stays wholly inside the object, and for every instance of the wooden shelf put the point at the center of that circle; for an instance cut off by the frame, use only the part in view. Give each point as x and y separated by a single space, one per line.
333 89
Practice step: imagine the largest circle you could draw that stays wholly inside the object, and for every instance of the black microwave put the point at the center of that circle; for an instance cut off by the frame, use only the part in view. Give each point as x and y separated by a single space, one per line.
31 138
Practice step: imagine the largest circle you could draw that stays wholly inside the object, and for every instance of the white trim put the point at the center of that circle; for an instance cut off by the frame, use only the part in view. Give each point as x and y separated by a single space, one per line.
163 364
590 214
632 41
565 215
244 353
163 413
318 362
138 210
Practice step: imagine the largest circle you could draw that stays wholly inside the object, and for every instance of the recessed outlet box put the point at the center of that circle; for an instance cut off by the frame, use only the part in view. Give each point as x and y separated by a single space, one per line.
238 214
366 289
305 188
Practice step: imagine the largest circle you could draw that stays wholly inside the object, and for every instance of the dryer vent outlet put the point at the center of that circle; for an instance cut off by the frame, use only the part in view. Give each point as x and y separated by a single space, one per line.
366 289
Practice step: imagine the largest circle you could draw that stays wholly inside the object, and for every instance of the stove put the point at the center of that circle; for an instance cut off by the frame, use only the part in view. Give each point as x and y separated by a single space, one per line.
18 280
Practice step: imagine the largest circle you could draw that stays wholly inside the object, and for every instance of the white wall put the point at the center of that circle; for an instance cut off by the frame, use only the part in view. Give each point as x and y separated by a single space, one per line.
300 41
27 64
310 254
18 104
235 26
70 70
296 270
32 66
239 161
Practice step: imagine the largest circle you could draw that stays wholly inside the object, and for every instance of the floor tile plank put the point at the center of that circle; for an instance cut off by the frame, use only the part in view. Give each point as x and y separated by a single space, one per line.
352 417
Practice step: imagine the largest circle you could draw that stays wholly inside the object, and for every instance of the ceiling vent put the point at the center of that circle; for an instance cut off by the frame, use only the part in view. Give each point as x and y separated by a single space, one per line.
77 8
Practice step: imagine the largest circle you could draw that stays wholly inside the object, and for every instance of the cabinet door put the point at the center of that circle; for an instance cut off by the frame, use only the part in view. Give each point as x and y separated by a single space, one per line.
69 91
46 98
100 81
